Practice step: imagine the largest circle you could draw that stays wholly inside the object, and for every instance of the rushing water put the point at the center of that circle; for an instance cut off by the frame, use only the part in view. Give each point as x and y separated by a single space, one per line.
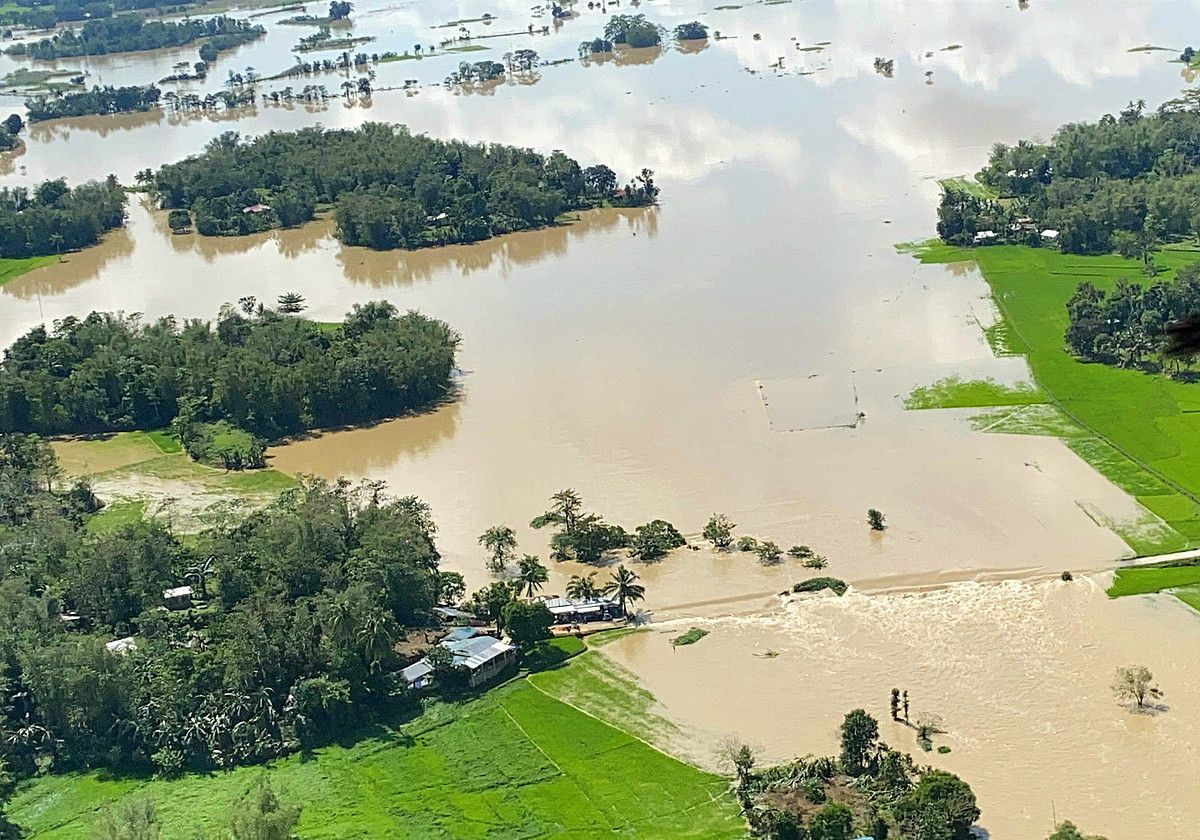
684 359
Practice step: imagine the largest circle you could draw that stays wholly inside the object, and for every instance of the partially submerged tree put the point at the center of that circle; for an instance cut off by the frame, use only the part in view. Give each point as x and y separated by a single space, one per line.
769 553
875 519
860 743
501 542
1136 683
719 531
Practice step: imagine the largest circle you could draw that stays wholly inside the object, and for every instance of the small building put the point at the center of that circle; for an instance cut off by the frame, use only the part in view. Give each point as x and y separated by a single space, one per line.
1050 234
178 598
256 208
985 236
453 614
483 655
121 646
583 610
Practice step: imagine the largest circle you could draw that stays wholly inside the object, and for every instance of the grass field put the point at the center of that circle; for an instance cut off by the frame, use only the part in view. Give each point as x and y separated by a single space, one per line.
137 473
514 763
10 268
1181 581
1142 431
953 392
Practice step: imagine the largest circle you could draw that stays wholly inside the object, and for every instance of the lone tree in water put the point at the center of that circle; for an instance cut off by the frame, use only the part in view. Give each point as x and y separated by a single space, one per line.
905 695
895 704
290 303
875 519
564 511
500 540
719 531
1136 683
769 553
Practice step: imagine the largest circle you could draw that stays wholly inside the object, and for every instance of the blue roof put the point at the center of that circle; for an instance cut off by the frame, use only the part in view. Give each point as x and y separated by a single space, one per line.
461 634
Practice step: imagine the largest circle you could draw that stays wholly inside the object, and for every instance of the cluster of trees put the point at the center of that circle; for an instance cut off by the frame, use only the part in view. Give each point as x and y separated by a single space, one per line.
893 797
305 602
392 189
1127 325
257 369
132 33
1125 182
719 531
633 31
52 217
691 31
98 100
587 538
10 127
221 42
475 73
38 14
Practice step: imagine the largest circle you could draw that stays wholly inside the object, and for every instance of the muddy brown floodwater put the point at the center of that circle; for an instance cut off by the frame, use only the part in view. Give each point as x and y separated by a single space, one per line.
715 353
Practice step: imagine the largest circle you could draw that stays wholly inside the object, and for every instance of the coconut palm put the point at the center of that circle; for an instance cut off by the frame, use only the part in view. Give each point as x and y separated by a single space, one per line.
582 588
377 635
531 575
624 584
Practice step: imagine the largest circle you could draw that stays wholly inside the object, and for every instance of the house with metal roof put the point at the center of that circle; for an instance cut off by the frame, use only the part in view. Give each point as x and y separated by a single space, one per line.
484 656
582 610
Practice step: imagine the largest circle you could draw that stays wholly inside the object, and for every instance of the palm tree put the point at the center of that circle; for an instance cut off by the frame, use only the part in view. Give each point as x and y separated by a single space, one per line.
500 540
377 635
624 584
582 588
199 572
531 576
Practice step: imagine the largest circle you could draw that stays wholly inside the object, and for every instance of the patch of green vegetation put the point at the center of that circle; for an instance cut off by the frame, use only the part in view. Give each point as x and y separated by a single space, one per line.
692 636
607 637
15 267
461 48
598 686
167 441
1141 431
117 515
553 653
816 584
969 186
25 79
1190 595
953 392
1143 580
515 762
1149 48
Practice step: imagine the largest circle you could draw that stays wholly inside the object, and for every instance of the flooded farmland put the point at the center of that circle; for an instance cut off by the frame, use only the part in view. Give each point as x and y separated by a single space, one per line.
743 347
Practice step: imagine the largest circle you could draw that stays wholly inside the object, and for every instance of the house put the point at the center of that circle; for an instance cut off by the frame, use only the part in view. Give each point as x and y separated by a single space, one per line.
256 208
483 655
582 610
121 646
449 614
985 236
1050 234
178 598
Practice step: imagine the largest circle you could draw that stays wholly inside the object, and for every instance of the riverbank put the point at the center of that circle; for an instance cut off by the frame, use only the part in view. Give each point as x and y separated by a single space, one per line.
1139 430
521 760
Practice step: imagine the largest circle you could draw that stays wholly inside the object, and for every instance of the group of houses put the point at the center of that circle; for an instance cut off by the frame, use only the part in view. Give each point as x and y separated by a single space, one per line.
484 655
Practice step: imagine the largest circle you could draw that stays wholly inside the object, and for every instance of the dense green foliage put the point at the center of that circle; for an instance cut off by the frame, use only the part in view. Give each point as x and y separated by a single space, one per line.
1126 326
52 217
308 598
1123 183
691 31
222 444
265 373
10 127
881 793
98 100
633 31
816 584
37 14
132 33
392 189
515 762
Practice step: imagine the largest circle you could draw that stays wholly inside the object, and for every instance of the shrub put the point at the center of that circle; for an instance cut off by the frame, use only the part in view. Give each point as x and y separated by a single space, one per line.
816 584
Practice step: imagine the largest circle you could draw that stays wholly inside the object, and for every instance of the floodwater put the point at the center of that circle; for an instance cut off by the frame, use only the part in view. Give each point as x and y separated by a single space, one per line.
713 353
1019 674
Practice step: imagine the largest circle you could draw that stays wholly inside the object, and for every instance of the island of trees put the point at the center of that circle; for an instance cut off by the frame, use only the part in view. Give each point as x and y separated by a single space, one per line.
98 100
1124 184
53 218
391 189
10 127
224 387
37 14
132 33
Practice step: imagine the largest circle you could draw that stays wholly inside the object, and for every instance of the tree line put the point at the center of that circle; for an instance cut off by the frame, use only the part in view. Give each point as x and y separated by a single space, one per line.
297 610
1127 326
52 217
36 14
259 370
133 33
1126 182
391 189
98 100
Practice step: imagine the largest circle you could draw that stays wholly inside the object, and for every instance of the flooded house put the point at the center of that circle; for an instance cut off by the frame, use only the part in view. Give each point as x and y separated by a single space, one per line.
583 610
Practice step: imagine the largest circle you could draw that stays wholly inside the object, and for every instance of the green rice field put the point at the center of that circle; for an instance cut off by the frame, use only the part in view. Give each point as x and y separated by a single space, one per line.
515 763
